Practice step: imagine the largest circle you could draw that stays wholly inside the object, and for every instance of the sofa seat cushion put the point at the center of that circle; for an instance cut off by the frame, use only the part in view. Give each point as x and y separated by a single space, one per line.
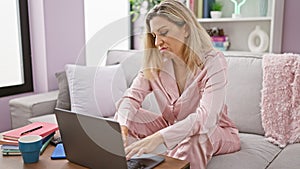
288 158
49 118
255 153
23 108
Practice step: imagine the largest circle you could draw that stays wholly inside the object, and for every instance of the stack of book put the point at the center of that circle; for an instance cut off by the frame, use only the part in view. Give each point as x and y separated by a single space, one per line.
9 140
201 8
220 42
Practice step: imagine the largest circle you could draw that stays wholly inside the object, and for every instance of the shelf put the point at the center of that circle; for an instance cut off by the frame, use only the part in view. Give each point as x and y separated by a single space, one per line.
239 29
255 19
242 53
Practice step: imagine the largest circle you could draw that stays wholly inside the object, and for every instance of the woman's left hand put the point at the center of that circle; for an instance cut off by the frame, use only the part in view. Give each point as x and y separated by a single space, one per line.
145 145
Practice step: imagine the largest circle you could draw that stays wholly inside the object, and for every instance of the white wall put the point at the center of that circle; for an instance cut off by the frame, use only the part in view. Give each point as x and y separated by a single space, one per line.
106 27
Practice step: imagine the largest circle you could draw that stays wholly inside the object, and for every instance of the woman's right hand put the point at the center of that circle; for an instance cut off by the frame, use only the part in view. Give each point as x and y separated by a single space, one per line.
124 131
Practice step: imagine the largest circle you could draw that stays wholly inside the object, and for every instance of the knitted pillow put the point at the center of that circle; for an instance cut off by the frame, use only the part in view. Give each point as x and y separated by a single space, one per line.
281 98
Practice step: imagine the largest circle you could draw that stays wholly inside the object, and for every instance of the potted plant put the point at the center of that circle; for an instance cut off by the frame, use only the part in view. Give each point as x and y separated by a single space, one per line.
138 6
216 9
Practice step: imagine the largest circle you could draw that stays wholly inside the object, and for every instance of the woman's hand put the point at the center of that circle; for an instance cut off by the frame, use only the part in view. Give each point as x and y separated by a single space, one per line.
124 131
145 145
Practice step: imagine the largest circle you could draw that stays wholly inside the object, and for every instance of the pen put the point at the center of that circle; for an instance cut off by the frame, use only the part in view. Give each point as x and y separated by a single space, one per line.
31 130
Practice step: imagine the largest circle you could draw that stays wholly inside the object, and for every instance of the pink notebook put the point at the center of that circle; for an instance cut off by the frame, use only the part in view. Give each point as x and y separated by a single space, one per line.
37 128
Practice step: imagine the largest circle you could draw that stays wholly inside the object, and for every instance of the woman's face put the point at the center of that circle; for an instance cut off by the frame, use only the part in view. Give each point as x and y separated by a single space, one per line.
168 36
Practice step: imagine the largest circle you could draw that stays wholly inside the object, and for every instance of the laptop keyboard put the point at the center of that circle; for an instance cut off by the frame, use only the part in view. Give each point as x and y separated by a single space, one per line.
135 164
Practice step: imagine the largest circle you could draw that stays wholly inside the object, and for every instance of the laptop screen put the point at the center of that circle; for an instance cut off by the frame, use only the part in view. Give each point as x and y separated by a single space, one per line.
91 141
95 142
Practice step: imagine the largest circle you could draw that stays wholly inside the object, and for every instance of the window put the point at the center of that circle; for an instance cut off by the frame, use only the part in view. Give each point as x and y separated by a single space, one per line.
15 57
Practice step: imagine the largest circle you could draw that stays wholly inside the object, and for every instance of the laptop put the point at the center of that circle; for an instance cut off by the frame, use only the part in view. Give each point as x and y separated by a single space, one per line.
96 142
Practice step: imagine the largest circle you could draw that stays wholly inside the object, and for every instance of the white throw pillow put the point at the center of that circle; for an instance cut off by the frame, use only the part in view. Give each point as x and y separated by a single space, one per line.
95 90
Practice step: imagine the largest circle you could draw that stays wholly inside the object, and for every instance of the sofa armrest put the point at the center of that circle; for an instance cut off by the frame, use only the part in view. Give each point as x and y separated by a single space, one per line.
24 108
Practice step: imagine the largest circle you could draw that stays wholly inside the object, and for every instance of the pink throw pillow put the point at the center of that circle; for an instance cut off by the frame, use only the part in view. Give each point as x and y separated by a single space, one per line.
281 98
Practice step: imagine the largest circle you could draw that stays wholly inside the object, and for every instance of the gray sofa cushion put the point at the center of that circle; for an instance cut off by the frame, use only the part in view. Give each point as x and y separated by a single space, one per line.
255 153
243 93
288 158
63 99
130 61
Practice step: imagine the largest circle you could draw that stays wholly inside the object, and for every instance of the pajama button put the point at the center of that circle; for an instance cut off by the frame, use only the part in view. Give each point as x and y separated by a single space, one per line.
175 121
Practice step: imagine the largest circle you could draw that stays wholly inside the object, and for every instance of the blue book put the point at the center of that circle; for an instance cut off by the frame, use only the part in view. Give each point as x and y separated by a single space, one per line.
206 8
14 149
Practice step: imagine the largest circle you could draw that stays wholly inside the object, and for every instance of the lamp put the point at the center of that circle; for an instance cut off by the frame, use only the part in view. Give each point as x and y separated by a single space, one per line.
237 8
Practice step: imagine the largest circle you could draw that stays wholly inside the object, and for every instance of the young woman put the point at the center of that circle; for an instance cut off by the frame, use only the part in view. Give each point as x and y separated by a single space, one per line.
188 78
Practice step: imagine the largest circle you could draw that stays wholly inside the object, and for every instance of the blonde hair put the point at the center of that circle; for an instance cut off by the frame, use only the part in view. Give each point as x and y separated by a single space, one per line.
197 43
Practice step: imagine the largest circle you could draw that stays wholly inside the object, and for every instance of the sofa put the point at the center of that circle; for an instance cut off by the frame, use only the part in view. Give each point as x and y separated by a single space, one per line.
244 107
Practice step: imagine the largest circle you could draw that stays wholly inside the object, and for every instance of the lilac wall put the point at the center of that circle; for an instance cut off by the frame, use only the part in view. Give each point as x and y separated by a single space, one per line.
291 27
57 37
64 29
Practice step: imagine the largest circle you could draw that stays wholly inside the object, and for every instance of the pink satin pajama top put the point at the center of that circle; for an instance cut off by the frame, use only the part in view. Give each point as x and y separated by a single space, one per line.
199 110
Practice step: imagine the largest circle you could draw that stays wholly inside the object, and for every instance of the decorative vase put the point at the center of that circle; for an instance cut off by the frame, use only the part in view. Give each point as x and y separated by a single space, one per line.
258 40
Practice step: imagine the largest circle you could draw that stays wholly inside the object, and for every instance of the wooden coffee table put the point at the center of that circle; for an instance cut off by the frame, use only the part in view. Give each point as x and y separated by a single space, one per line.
45 161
